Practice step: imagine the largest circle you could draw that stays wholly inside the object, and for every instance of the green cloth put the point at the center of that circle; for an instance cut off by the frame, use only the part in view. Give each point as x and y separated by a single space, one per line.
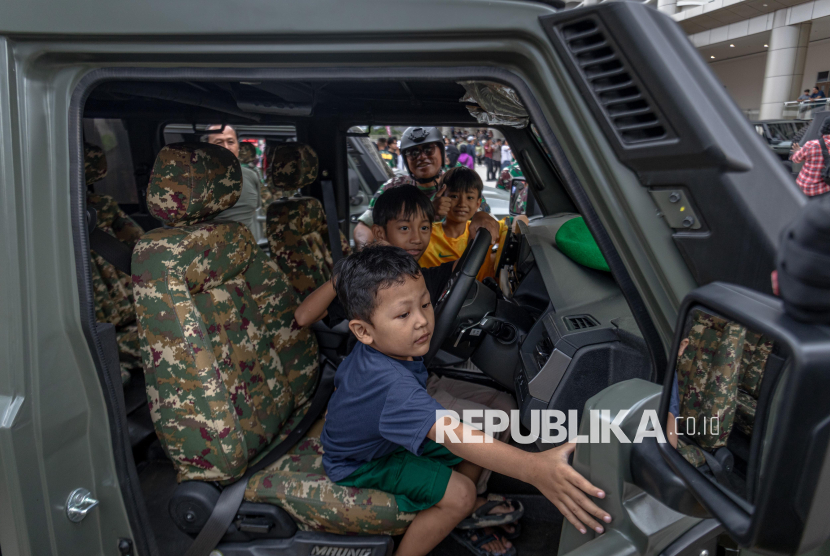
576 242
418 482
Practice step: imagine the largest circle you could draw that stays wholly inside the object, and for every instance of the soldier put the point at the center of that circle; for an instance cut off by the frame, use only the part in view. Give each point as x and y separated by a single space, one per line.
244 211
423 153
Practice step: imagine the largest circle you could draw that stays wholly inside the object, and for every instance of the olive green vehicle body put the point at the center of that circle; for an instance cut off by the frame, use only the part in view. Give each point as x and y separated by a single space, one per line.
55 430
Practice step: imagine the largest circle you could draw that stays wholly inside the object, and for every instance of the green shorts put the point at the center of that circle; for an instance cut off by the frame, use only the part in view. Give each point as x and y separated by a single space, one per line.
418 482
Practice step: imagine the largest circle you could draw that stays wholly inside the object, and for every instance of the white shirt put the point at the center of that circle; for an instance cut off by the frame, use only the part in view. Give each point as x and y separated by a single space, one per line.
506 155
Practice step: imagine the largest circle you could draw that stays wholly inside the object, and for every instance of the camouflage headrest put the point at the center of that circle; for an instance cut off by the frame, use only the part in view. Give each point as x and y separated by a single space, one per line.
247 153
95 163
292 166
192 182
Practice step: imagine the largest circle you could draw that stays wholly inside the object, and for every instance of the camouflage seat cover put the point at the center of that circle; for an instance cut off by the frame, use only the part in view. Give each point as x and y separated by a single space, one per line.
228 371
719 380
296 226
112 289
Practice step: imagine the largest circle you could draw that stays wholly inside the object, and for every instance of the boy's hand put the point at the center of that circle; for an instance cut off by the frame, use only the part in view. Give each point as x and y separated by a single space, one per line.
441 204
484 220
567 489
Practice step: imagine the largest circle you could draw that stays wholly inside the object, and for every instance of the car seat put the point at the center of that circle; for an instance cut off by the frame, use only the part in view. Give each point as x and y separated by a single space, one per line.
719 377
112 289
228 371
296 226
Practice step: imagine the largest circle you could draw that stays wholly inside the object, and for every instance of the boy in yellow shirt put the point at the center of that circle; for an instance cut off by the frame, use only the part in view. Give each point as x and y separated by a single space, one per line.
449 238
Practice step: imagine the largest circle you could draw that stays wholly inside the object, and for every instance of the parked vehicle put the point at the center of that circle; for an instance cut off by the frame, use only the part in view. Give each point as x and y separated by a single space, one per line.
779 134
637 142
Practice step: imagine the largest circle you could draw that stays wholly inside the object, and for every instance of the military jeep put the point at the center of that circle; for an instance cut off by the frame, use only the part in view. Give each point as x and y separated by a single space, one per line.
152 369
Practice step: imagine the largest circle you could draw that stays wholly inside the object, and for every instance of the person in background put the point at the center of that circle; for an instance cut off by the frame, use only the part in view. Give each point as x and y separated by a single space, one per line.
244 211
818 94
804 96
809 178
506 155
496 157
479 152
488 159
465 158
385 155
392 145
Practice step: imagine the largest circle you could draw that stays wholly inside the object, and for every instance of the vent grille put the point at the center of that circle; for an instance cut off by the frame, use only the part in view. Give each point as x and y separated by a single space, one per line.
619 96
580 322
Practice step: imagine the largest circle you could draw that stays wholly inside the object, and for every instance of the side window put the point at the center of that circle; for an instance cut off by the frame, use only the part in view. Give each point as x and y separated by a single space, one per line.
111 136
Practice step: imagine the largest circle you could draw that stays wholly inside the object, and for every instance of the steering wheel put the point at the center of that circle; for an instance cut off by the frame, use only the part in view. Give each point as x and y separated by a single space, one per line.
456 290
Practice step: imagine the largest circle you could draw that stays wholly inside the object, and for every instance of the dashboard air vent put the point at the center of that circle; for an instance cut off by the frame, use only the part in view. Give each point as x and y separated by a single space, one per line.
606 74
580 322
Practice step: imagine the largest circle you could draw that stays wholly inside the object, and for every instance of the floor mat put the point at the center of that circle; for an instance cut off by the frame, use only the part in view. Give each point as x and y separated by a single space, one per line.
541 524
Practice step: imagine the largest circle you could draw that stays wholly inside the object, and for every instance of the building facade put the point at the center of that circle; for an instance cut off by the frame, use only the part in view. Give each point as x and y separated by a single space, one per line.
765 52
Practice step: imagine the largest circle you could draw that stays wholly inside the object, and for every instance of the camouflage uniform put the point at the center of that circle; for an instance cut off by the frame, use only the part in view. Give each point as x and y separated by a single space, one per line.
296 227
708 374
719 376
228 371
757 349
112 289
398 181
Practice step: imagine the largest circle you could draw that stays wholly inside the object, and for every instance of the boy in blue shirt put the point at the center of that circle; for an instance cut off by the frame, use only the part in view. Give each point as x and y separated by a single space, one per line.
381 424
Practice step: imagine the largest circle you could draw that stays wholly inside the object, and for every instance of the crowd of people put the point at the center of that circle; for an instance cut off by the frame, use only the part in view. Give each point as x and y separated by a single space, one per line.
462 148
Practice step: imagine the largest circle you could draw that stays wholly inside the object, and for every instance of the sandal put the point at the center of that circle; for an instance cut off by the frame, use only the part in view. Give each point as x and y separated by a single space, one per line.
464 538
481 518
517 530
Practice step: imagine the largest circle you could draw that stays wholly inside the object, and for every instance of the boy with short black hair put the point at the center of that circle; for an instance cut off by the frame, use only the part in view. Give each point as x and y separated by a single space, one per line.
450 237
403 218
392 446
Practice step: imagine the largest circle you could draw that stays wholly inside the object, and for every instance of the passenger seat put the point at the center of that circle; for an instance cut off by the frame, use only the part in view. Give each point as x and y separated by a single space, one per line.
112 289
296 226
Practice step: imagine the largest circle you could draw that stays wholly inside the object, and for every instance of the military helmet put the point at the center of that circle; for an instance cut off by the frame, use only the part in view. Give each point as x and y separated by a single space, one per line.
414 136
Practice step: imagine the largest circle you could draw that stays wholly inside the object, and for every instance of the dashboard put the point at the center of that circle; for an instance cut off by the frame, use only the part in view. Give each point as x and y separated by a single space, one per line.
573 331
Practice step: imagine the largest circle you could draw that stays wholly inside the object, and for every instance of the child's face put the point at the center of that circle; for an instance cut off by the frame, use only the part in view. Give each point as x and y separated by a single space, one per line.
409 233
402 322
464 205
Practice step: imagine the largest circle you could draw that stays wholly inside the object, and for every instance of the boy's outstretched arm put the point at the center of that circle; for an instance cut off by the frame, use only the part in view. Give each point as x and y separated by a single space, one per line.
316 305
548 471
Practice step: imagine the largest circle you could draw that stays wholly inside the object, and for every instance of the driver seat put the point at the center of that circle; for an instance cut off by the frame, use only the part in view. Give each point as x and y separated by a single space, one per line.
228 371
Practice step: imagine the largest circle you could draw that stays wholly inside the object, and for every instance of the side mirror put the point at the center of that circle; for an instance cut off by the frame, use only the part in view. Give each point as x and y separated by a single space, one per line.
518 197
752 388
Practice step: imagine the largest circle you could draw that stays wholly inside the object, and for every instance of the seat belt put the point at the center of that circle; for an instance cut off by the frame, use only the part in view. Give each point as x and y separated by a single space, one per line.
232 496
331 219
110 248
